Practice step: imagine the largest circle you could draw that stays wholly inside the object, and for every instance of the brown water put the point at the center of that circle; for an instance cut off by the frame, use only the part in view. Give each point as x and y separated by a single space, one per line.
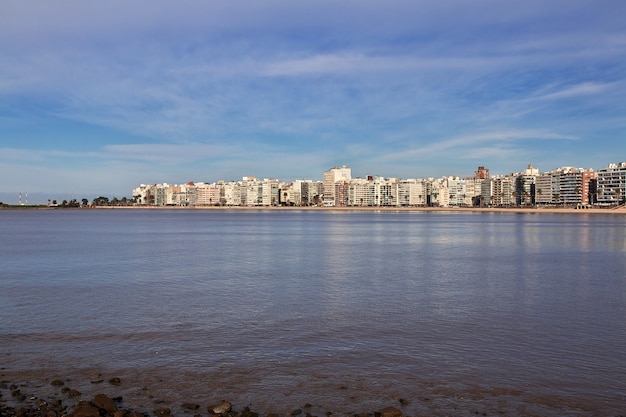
434 313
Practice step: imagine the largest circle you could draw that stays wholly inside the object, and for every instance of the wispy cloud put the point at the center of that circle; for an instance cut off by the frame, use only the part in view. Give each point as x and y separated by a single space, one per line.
468 143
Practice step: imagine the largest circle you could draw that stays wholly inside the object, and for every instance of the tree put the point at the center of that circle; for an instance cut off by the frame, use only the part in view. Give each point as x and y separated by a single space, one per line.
578 190
100 201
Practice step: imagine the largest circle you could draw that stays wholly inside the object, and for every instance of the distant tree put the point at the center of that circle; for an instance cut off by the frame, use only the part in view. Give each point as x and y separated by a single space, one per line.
100 201
85 202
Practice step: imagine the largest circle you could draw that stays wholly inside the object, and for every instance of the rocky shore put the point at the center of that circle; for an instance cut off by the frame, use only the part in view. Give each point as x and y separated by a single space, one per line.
64 401
106 397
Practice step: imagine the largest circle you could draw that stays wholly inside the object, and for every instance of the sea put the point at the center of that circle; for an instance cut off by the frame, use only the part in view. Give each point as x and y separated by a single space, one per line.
319 311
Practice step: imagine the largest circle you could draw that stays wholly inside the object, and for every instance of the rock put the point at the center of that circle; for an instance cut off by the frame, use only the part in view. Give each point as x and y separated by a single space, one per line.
390 412
103 402
121 413
221 408
57 383
74 393
296 412
162 412
246 412
115 381
190 406
56 403
84 409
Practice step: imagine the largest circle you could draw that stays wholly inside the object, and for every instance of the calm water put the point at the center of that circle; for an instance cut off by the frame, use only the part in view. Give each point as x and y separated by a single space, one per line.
456 313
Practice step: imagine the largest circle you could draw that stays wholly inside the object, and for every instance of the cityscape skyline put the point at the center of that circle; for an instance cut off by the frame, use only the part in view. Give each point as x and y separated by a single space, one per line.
98 97
42 198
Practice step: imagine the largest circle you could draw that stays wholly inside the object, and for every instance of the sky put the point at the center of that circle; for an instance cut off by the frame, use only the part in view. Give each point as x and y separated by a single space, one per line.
99 97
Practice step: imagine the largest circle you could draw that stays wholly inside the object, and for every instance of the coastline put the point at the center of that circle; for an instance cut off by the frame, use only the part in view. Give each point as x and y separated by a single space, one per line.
24 394
519 210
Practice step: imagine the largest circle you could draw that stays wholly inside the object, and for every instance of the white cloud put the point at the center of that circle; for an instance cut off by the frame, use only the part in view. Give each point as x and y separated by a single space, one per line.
168 154
460 145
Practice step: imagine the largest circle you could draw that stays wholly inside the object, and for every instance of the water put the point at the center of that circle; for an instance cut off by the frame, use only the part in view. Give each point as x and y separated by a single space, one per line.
454 313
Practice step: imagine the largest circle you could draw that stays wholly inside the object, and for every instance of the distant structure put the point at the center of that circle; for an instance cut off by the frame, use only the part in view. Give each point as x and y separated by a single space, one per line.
26 199
561 187
481 173
331 177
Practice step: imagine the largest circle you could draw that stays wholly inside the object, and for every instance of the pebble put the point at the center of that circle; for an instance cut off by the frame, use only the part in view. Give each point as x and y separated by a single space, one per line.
115 381
104 406
220 408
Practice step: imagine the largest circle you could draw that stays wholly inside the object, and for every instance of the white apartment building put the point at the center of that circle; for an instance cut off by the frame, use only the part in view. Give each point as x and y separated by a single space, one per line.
438 192
309 190
269 192
461 191
231 192
524 186
141 194
412 192
611 184
331 177
291 195
565 185
546 187
502 189
208 194
361 193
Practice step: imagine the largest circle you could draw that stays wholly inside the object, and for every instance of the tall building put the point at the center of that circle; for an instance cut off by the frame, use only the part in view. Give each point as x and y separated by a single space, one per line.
611 186
332 176
525 186
481 173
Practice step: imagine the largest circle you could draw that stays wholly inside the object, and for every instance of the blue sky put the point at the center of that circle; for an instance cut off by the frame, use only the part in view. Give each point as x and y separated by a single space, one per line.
98 97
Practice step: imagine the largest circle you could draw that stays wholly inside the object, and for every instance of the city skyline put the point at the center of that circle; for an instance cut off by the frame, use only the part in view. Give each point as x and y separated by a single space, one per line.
100 97
42 198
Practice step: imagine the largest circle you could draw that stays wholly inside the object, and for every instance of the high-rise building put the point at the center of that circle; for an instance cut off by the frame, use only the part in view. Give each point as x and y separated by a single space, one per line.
481 173
332 176
611 188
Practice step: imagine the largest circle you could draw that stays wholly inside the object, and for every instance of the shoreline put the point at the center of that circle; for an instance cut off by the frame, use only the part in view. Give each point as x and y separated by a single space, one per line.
518 210
103 394
106 395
